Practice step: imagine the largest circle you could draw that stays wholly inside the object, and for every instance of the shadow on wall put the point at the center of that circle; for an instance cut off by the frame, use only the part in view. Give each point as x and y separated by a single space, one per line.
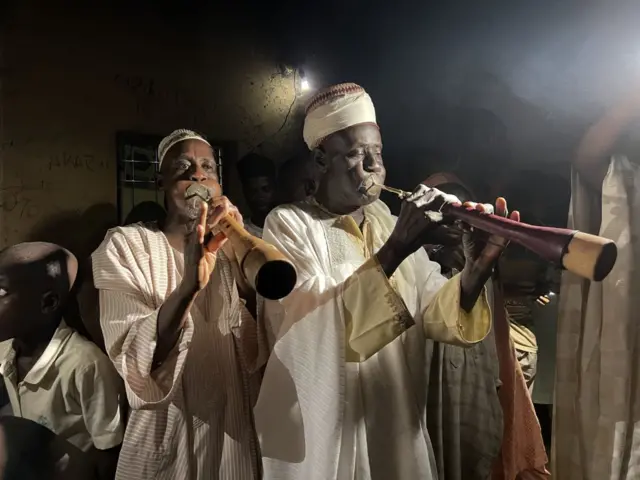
81 234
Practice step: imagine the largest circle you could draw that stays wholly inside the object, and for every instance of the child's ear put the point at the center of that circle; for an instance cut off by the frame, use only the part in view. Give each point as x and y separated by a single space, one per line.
50 303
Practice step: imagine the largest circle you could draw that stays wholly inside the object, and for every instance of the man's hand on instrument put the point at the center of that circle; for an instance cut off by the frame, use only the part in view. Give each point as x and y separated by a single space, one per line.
481 248
219 207
200 257
419 222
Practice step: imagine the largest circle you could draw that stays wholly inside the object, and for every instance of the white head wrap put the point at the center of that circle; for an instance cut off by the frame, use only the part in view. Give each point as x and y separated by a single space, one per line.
334 109
175 137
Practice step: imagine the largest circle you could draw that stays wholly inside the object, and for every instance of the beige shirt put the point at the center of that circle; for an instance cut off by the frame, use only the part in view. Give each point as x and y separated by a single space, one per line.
190 417
72 389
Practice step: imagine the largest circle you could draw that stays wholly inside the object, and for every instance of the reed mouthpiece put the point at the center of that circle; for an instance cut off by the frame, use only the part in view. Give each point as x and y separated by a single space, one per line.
198 190
367 184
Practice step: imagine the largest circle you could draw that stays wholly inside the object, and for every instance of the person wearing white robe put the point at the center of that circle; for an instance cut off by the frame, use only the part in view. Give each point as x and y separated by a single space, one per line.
344 391
596 421
177 331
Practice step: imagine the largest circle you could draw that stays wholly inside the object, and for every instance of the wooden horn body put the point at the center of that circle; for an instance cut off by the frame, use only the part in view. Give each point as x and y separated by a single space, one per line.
589 256
266 269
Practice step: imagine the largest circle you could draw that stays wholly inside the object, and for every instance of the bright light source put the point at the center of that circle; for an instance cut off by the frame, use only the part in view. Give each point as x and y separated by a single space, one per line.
304 83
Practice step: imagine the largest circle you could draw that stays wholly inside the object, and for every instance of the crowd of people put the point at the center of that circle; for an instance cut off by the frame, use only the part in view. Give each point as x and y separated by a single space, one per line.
402 353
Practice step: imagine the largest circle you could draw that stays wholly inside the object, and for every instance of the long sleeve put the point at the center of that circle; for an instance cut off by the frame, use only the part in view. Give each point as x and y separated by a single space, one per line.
365 294
129 309
443 320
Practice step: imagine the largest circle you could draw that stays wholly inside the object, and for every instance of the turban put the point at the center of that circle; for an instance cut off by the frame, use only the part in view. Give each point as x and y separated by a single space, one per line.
334 109
174 137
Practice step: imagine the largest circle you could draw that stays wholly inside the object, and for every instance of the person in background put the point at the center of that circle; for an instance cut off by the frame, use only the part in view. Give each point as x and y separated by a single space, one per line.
258 178
344 390
53 375
597 410
178 328
297 180
464 415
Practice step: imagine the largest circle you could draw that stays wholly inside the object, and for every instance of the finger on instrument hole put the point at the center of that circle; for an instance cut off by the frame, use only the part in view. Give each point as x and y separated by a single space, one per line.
515 216
219 212
237 215
216 242
488 208
501 207
469 205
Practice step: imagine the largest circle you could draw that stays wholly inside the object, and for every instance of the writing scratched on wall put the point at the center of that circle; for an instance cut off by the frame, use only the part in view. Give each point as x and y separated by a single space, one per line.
18 199
147 89
82 161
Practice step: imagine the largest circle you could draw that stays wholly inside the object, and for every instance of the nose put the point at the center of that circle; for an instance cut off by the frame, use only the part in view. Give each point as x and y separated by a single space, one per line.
372 164
198 174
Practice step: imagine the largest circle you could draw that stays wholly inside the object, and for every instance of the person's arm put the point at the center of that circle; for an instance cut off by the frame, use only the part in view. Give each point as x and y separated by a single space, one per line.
130 325
596 147
172 318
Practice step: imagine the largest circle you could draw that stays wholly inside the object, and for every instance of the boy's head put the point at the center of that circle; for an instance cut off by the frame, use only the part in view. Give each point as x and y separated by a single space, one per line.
35 280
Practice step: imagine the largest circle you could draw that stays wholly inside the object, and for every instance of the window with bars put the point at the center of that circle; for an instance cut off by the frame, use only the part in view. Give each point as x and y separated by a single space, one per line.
138 170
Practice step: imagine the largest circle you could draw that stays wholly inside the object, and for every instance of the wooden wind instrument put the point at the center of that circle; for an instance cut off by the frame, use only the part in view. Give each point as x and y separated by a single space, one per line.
588 256
266 269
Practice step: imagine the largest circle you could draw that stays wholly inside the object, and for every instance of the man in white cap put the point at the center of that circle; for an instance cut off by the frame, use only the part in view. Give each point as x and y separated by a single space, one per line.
175 326
344 391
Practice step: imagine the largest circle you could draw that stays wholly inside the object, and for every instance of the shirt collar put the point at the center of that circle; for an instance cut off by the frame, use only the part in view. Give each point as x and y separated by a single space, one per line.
46 360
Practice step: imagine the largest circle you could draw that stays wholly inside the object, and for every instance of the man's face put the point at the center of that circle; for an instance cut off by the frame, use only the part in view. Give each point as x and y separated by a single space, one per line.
188 162
352 155
260 194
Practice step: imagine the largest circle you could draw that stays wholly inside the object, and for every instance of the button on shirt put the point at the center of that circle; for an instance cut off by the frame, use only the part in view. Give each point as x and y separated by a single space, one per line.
72 389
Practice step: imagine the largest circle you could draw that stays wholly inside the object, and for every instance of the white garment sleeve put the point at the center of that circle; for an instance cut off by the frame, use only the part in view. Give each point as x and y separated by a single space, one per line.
129 325
365 306
443 319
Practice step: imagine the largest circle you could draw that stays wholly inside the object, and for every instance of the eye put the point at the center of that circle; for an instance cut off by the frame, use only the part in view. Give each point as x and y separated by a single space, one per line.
209 166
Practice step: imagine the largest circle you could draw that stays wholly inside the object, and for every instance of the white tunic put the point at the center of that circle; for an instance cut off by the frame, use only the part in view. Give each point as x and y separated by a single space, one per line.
597 392
330 407
191 416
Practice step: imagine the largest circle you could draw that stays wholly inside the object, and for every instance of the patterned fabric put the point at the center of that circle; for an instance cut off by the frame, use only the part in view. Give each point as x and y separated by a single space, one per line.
175 137
319 416
190 417
523 453
334 109
597 409
464 415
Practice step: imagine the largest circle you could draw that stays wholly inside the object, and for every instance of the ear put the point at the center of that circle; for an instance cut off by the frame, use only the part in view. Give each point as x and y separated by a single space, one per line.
160 181
50 303
320 160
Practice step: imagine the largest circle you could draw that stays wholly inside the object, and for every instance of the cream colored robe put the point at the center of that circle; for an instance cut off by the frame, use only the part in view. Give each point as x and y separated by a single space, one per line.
344 391
190 417
597 405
